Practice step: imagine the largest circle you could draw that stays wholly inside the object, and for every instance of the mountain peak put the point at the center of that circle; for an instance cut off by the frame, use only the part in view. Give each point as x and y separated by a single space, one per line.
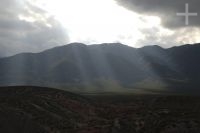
186 46
76 44
152 47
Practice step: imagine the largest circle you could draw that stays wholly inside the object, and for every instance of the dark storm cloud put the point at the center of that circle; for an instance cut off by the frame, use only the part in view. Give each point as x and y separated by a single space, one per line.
166 9
21 35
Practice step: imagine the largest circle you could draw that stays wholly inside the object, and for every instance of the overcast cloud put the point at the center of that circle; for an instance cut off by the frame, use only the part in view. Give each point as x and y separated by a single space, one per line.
166 9
20 34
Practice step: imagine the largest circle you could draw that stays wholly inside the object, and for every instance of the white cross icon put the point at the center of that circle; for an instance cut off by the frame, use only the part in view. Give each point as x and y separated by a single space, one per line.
187 14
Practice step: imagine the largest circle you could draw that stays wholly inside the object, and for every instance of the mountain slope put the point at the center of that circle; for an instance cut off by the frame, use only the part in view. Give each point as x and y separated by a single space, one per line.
78 65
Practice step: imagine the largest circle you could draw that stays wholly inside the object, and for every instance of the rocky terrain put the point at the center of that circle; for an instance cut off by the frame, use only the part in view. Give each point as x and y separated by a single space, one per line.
45 110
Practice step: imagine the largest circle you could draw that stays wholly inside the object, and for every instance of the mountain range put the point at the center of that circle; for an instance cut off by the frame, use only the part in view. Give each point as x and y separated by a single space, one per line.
106 67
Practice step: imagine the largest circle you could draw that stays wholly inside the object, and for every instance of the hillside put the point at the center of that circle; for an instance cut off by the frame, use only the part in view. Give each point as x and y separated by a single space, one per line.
29 109
106 67
41 110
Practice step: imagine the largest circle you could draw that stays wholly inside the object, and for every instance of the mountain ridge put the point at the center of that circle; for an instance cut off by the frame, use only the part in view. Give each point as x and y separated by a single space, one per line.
103 44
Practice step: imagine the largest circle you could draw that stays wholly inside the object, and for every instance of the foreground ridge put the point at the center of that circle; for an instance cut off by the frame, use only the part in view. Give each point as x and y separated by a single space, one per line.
45 110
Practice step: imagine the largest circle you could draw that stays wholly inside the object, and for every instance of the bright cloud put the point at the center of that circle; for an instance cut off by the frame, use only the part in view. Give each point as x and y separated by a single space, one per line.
95 21
35 25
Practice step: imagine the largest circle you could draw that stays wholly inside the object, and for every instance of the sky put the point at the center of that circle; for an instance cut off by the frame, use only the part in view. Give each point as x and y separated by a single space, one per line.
36 25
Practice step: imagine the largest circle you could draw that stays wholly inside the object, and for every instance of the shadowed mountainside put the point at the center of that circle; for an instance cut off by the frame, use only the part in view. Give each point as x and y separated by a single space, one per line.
106 67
